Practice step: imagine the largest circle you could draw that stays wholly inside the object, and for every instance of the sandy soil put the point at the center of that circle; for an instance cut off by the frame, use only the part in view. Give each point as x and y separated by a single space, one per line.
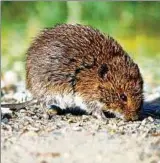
28 137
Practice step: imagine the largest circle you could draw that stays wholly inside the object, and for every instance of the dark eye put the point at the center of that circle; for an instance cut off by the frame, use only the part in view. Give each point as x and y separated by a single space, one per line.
123 97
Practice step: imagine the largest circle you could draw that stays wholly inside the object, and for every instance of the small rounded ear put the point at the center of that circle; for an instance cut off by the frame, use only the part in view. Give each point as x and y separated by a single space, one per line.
102 71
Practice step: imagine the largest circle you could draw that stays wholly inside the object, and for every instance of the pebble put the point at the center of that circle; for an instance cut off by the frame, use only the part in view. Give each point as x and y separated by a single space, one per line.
76 128
22 111
16 127
5 120
6 110
31 112
85 117
20 96
30 128
6 127
150 119
71 121
144 122
26 118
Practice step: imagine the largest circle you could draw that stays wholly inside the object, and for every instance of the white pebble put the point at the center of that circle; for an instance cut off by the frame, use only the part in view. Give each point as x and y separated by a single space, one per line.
143 122
76 128
6 110
150 119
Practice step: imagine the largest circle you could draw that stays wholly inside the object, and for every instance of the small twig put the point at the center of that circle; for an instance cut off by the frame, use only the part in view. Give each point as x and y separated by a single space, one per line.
19 106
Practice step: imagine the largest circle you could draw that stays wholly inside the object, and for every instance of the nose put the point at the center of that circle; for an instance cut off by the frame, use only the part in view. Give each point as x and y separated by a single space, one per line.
131 116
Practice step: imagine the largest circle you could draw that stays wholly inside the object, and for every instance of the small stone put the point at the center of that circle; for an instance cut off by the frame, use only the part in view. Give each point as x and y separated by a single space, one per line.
71 121
30 112
121 123
114 126
33 129
22 111
144 122
35 117
29 119
112 131
5 120
45 116
85 117
20 96
16 127
121 128
6 127
150 119
26 123
6 111
76 128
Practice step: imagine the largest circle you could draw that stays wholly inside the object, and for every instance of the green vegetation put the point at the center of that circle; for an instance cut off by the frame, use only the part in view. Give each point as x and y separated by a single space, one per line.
136 25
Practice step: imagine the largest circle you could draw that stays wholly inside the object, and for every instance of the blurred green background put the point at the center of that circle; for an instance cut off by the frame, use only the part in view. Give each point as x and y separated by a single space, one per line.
136 26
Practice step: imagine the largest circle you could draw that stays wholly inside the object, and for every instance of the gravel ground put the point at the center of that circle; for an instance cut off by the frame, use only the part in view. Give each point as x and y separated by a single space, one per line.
28 136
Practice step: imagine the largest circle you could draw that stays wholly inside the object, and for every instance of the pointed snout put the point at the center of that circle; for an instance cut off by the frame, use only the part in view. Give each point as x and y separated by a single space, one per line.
131 116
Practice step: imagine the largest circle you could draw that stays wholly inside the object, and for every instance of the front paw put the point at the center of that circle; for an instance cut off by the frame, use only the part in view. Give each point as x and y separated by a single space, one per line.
99 114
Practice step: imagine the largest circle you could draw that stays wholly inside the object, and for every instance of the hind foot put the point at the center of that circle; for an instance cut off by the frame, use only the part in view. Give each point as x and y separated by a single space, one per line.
50 110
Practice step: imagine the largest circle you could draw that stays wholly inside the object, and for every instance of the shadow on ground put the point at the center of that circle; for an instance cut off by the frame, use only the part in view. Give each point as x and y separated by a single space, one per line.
151 108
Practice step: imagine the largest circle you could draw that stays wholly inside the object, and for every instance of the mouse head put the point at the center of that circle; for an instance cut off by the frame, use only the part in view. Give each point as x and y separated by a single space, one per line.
121 87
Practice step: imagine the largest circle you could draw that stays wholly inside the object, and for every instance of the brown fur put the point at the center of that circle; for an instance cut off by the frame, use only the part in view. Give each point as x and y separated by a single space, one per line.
76 58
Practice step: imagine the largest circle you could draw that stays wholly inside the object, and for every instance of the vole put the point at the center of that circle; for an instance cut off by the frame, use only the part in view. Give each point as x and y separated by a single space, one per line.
72 66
